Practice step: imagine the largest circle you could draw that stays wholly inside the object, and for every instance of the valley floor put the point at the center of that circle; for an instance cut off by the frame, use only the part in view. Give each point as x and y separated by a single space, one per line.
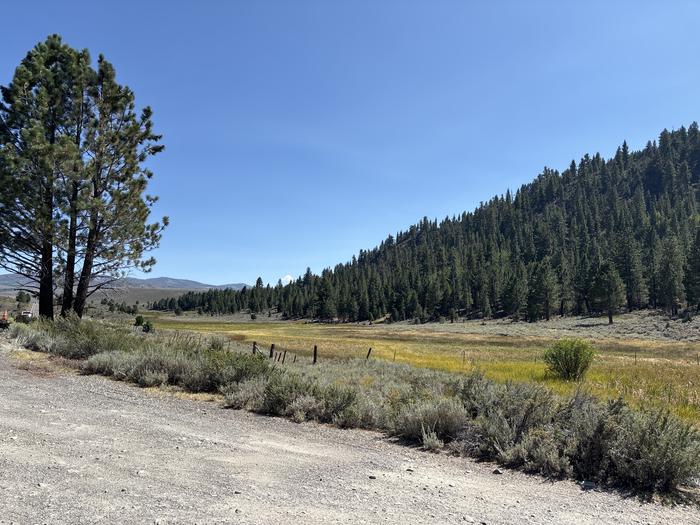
84 449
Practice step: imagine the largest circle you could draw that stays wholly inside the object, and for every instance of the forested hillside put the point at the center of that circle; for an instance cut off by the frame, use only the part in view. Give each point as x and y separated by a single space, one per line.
599 236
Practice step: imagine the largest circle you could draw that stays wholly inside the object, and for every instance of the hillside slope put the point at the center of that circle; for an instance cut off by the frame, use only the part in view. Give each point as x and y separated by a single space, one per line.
601 235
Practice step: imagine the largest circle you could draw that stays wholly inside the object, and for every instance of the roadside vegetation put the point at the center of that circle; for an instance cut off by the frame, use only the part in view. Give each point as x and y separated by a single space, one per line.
519 425
651 373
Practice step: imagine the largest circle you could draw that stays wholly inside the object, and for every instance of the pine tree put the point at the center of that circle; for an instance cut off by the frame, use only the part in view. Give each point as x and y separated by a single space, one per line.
608 289
35 131
118 141
326 304
631 271
72 181
672 291
516 292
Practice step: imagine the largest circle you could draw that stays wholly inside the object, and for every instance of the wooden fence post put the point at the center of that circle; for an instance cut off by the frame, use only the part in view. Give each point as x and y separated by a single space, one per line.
315 355
295 359
272 350
394 353
255 346
368 353
284 356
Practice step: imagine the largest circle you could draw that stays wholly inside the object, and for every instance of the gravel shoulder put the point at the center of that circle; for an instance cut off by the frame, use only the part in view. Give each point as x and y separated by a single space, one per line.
76 449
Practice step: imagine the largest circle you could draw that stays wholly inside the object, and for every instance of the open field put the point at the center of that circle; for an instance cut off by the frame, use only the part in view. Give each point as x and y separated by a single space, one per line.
636 359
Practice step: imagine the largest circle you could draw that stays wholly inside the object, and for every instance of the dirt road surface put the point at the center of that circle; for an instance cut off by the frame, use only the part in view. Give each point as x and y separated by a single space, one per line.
77 449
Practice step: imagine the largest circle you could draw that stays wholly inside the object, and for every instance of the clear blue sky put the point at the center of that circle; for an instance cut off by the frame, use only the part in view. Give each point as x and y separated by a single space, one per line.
298 133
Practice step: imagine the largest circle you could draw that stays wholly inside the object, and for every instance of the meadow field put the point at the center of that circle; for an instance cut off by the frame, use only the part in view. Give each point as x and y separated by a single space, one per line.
646 368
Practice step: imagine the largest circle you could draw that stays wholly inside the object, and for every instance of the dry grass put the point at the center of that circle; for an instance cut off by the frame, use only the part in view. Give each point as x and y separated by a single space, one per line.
40 364
646 372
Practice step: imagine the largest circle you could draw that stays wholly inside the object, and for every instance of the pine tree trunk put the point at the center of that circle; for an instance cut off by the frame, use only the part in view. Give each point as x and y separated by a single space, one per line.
86 273
46 270
46 218
69 278
46 281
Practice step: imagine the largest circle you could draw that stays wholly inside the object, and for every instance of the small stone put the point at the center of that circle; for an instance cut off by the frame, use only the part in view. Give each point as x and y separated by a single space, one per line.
409 470
236 491
588 485
497 471
373 477
42 485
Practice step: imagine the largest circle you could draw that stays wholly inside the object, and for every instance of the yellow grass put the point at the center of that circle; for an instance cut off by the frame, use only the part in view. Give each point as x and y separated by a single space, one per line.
645 372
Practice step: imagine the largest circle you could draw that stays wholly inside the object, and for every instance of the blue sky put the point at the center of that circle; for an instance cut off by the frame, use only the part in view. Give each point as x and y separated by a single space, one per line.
298 133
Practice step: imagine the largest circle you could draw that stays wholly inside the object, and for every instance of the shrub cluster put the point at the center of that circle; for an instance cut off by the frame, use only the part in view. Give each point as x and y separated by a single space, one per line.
523 426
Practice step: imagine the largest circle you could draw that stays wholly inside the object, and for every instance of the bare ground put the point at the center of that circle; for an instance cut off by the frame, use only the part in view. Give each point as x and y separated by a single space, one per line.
77 449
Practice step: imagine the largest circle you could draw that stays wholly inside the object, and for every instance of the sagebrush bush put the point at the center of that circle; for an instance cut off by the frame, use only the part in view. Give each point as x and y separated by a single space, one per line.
32 337
430 440
569 359
247 395
151 378
305 407
541 451
443 417
653 451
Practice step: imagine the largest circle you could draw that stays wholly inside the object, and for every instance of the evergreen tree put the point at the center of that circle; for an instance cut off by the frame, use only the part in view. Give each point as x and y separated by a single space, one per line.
608 289
672 291
72 181
631 272
35 133
516 292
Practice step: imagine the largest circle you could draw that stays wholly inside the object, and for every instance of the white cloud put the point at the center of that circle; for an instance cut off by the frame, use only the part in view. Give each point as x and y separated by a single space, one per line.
286 279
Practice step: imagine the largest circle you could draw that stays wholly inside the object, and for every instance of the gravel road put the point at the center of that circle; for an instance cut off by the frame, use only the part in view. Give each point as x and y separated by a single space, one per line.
77 449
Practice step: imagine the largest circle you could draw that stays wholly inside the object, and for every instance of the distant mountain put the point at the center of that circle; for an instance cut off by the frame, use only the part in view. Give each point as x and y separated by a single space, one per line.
11 282
167 283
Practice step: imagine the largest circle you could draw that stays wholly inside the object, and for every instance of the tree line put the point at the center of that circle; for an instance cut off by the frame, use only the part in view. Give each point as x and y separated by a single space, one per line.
74 213
599 236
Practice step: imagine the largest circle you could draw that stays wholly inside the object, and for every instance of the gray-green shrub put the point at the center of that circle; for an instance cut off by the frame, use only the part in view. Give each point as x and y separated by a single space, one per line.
443 417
